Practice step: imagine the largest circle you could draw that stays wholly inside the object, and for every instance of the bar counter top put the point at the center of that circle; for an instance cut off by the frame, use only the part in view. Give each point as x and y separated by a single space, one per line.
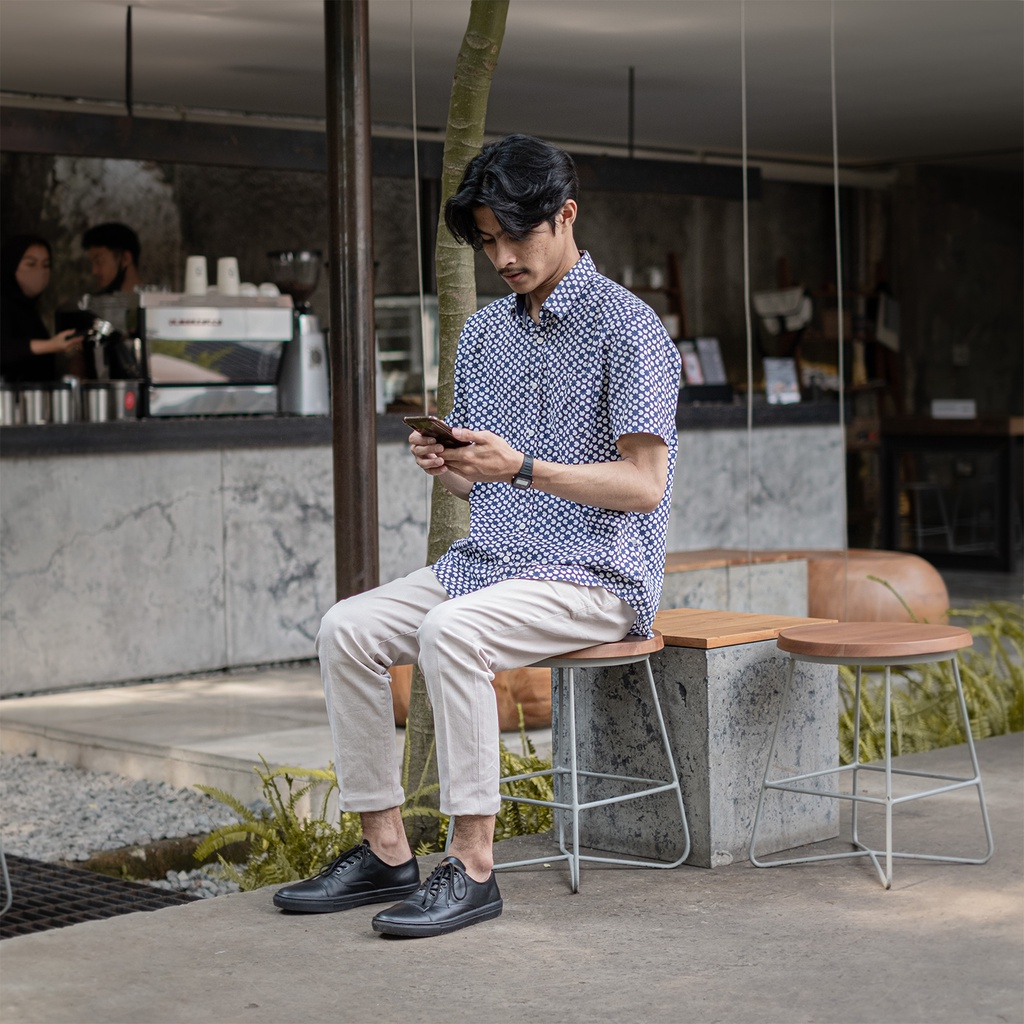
199 433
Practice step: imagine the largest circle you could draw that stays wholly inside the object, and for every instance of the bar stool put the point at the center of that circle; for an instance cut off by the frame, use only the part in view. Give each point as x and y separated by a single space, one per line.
863 644
566 776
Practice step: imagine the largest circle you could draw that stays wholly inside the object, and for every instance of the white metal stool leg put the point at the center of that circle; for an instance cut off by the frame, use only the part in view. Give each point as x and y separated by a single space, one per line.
797 783
562 776
8 891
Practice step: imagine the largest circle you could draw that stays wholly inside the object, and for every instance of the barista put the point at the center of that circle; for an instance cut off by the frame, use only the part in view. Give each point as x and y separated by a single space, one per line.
28 352
113 251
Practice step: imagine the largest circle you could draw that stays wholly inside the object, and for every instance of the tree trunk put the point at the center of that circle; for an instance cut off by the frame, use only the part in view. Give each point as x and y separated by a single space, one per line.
456 299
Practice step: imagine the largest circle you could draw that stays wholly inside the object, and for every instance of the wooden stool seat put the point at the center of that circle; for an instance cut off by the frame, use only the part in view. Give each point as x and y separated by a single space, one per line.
565 772
630 647
853 641
872 644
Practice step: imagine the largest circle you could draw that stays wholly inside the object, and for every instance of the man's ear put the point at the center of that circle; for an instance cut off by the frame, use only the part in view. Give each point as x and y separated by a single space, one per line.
126 259
567 215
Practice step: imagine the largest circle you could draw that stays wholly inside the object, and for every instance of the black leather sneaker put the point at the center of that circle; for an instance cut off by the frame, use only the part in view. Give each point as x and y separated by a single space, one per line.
356 878
448 900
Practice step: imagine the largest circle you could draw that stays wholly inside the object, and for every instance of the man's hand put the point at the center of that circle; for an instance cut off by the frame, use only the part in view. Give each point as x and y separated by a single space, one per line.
633 483
430 456
488 459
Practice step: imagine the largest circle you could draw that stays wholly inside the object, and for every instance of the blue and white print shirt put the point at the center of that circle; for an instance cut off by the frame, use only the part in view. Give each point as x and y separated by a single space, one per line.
597 366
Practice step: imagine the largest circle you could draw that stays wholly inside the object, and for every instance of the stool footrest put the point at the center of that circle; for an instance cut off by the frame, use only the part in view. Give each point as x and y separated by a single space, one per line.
955 782
656 787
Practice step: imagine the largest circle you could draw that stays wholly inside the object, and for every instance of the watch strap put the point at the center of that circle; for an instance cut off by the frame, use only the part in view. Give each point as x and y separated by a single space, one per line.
524 478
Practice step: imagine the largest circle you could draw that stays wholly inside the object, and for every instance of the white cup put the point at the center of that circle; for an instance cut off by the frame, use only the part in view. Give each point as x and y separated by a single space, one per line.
195 275
227 275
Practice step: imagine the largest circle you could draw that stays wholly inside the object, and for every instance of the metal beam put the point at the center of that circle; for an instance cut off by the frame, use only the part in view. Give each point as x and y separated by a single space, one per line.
24 130
350 279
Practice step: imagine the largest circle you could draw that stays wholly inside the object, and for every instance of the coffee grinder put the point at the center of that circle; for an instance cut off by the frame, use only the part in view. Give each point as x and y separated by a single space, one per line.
303 388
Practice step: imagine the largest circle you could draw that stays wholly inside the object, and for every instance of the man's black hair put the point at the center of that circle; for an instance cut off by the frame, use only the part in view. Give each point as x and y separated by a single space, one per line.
523 181
113 236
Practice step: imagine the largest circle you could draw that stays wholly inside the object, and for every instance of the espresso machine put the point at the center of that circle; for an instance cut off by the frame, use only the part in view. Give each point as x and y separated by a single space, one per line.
303 388
214 354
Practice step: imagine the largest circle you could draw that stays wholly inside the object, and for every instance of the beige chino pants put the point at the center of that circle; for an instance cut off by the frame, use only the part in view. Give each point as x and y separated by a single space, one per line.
459 644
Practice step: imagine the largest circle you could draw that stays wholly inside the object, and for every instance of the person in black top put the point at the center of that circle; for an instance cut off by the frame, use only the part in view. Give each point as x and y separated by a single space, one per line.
28 351
113 250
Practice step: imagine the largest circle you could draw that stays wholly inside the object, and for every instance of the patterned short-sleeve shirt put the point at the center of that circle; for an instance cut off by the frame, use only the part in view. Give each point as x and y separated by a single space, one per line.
597 366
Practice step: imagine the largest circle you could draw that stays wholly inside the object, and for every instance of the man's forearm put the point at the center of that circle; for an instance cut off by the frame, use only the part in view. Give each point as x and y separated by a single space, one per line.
620 486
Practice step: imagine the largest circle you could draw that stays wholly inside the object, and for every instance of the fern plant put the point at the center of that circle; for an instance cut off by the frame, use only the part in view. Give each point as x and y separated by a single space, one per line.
924 706
524 819
284 844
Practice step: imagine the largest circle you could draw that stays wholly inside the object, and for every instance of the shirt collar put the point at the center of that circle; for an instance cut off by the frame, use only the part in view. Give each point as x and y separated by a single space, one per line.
568 291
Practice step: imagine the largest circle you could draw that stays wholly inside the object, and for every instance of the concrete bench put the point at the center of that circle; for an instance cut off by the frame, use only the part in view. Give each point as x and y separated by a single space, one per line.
822 583
719 681
726 579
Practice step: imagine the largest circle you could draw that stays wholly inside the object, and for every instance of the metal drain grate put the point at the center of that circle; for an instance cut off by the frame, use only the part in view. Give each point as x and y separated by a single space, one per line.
52 896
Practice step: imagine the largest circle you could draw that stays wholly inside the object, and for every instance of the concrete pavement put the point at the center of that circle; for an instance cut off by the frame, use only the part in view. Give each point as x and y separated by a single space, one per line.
815 943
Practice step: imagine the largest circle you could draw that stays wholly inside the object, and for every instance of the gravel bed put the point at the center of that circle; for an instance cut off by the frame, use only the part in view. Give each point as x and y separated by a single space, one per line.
54 812
201 882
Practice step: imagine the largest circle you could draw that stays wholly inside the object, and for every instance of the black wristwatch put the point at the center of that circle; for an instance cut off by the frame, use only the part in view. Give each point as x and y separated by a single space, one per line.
524 478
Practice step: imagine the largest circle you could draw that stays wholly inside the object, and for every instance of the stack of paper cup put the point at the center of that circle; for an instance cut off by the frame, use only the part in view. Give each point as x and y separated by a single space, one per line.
227 275
195 275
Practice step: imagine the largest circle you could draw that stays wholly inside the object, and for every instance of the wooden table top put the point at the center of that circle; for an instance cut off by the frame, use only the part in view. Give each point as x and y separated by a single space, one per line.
873 639
706 630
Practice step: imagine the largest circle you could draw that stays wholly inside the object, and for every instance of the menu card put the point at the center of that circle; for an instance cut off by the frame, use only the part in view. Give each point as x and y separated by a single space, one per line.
692 373
711 361
780 381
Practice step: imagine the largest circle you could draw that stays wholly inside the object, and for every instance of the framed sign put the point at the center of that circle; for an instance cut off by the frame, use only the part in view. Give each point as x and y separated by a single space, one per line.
780 381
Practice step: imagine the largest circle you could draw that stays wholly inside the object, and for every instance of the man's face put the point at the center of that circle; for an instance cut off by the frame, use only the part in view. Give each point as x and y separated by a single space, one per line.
533 264
105 264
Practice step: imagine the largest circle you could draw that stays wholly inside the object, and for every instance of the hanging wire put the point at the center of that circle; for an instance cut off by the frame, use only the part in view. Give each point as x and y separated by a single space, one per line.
839 318
746 299
427 488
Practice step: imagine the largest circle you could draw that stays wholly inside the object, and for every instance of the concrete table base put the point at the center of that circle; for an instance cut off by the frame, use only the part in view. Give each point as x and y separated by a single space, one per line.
720 706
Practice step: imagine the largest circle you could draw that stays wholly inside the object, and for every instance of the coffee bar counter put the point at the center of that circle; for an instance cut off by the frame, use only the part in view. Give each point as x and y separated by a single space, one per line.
196 433
146 549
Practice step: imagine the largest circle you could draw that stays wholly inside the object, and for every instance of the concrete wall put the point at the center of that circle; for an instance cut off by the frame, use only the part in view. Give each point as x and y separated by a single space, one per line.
136 566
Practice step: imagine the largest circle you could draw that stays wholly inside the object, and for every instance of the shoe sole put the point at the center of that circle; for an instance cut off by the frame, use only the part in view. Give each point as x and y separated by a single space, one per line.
325 906
423 931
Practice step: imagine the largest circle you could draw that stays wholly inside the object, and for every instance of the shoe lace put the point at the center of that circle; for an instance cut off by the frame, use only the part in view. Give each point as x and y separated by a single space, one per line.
347 859
445 878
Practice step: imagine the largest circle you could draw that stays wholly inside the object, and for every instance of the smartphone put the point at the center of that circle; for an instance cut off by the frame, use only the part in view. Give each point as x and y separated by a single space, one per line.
434 426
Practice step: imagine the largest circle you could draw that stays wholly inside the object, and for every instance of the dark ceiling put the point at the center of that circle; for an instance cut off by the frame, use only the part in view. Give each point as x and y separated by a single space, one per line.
917 80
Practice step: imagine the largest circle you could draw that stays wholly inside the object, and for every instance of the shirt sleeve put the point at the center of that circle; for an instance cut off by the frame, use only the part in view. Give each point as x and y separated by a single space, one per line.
644 375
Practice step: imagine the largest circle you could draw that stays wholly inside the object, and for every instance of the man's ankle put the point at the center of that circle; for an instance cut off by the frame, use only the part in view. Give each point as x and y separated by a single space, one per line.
385 833
478 868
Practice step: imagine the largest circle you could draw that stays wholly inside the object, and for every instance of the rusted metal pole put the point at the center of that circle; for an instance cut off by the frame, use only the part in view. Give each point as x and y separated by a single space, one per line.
350 278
